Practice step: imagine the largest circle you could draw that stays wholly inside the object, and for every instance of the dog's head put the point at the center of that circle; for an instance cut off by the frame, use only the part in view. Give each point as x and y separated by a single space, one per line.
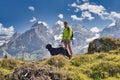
48 46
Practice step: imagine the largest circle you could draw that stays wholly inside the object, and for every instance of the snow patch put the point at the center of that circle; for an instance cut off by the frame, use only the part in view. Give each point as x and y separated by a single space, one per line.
58 37
95 37
95 30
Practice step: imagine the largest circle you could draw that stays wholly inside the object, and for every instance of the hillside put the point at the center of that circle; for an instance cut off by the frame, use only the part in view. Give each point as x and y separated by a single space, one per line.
102 66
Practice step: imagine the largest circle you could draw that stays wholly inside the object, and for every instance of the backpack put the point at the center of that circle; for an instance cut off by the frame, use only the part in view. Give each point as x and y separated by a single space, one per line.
71 35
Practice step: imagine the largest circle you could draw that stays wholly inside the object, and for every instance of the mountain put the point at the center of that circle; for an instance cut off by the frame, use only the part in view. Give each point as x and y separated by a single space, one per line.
30 44
15 36
57 30
111 30
81 34
4 38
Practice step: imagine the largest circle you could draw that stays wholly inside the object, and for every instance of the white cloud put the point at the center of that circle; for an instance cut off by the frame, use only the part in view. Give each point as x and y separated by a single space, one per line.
58 37
59 22
114 14
95 29
5 33
84 0
8 31
74 17
31 8
33 19
74 5
61 16
84 15
89 9
96 9
88 15
0 24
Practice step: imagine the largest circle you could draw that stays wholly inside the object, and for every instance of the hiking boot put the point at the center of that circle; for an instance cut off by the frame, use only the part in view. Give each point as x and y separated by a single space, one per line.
70 56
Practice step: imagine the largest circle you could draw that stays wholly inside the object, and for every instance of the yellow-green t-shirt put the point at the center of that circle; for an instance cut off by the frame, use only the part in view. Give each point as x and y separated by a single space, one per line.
67 33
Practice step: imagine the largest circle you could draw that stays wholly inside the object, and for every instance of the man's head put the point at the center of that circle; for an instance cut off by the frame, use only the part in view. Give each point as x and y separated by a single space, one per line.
65 24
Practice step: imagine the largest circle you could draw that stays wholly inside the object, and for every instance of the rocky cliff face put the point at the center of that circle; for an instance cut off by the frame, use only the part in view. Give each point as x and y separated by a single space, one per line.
111 31
31 44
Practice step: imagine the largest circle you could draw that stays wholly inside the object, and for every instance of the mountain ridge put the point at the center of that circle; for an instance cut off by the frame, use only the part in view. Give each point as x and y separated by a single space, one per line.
33 41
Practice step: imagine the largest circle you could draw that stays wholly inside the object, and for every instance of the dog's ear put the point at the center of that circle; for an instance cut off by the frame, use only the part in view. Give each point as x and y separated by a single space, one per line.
48 46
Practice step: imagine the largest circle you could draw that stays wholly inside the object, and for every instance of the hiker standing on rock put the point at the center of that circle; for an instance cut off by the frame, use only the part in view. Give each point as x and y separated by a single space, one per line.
66 38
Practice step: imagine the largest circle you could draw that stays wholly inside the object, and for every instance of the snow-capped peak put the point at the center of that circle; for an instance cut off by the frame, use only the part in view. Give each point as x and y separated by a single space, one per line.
95 30
43 23
60 23
40 23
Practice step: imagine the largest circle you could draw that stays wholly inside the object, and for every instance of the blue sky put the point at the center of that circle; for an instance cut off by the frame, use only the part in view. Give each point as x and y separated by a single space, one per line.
90 13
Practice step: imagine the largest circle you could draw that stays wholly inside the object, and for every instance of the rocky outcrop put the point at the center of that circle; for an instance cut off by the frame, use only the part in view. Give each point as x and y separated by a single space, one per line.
48 69
104 44
41 73
30 74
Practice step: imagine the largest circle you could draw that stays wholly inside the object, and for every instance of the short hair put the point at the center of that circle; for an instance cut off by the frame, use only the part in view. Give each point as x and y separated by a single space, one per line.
65 22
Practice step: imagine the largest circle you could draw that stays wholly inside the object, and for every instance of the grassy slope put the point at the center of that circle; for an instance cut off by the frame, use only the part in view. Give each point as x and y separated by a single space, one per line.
7 66
86 67
102 66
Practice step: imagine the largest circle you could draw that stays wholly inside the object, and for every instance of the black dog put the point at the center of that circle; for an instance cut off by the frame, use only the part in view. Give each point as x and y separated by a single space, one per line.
56 51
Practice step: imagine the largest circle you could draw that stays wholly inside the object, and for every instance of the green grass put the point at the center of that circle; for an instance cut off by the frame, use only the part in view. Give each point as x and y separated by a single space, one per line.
7 66
96 66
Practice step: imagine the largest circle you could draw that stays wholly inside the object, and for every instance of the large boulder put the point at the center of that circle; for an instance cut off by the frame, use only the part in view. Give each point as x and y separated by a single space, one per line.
104 44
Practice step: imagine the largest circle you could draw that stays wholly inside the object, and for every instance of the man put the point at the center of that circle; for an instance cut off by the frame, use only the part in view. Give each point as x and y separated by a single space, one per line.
66 38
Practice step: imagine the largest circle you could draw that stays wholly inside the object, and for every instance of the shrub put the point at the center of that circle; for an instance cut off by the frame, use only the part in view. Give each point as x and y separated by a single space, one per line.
82 59
58 61
5 56
102 55
105 69
97 75
104 44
